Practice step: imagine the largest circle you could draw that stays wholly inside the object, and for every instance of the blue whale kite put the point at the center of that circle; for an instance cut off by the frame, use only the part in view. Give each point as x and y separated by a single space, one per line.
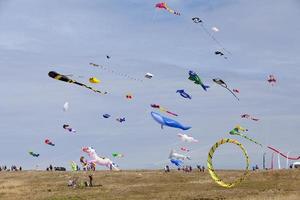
184 94
164 121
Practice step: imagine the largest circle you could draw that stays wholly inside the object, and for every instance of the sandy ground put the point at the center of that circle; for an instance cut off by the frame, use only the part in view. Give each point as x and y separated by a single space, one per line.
280 184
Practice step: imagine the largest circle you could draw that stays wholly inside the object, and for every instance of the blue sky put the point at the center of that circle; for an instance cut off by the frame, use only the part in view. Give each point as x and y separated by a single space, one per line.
39 36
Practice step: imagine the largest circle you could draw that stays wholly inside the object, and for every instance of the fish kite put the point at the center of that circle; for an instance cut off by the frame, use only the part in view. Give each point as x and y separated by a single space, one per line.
186 138
121 119
117 155
184 94
164 5
247 116
148 75
176 162
285 156
66 106
196 79
94 80
174 155
34 154
99 160
238 131
272 80
163 109
184 149
47 141
164 121
68 128
106 116
64 78
224 85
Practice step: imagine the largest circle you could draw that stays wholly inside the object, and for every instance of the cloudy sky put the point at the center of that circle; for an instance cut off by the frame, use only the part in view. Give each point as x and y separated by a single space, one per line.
37 36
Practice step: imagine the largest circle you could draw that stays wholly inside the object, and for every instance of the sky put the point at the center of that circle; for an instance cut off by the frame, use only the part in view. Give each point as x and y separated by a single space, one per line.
38 36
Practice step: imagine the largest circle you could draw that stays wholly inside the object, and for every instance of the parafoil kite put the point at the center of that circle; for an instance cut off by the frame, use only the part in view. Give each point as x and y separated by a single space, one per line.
34 154
66 106
99 160
238 131
94 80
121 119
148 75
186 138
176 162
184 149
212 171
164 5
106 116
184 94
47 141
283 155
117 155
224 85
164 121
247 116
196 79
64 78
197 20
272 80
68 128
174 155
163 109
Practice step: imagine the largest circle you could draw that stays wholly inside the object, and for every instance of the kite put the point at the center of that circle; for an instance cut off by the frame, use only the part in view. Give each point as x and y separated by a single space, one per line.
220 53
278 152
148 75
236 90
129 96
47 141
197 20
196 79
106 116
272 80
164 5
117 155
121 119
66 106
176 162
94 80
67 127
107 56
99 160
184 149
186 138
215 29
247 116
83 161
212 171
73 166
94 65
174 155
237 131
34 154
164 121
163 109
64 78
224 85
184 94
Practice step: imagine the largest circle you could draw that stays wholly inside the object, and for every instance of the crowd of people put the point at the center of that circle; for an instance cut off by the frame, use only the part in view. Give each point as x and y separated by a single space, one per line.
187 168
12 168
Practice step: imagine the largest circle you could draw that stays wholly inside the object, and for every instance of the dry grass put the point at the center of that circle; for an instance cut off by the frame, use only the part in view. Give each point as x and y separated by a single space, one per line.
283 184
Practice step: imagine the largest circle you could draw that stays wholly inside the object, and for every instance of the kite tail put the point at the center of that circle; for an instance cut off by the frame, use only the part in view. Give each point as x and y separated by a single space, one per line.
88 87
205 87
277 151
172 11
232 93
251 140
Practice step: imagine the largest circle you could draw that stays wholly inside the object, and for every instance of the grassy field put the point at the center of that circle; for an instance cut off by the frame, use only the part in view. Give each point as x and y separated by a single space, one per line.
280 184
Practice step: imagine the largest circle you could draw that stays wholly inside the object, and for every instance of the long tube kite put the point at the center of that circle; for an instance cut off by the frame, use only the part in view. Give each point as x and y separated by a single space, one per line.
64 78
163 109
224 85
283 155
164 5
237 131
212 171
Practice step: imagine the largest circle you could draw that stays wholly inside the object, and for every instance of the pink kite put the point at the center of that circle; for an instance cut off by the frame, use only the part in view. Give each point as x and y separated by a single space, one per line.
164 5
